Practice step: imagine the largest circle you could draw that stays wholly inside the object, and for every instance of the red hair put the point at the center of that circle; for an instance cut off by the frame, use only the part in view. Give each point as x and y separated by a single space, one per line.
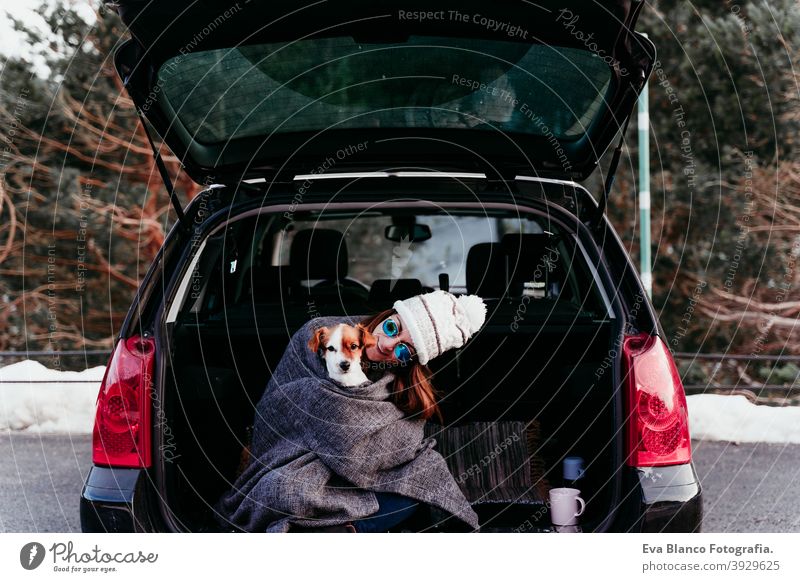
412 391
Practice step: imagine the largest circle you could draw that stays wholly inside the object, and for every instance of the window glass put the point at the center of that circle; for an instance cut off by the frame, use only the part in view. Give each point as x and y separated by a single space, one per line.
425 82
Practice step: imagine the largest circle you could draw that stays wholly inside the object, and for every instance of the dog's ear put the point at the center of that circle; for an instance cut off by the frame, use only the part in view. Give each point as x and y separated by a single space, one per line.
367 339
317 339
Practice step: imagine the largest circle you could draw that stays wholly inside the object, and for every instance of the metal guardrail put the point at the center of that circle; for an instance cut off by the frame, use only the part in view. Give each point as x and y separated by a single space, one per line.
769 394
25 355
697 356
49 381
760 394
39 353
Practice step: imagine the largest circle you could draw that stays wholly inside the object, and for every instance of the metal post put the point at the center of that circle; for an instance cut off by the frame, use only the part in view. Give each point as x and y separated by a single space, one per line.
644 191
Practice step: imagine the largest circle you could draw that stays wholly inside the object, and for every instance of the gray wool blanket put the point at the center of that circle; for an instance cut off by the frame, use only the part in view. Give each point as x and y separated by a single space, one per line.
320 450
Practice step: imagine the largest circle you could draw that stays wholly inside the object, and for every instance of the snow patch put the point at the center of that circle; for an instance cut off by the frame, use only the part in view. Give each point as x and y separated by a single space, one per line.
717 417
48 406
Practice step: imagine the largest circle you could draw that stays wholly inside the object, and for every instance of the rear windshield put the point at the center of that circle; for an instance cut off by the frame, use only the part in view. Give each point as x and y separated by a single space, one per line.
312 264
425 82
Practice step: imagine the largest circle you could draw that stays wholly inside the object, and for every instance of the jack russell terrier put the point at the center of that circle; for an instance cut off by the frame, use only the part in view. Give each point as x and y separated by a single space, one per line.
341 346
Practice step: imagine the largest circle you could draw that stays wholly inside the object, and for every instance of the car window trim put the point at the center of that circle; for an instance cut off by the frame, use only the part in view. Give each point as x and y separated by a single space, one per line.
596 277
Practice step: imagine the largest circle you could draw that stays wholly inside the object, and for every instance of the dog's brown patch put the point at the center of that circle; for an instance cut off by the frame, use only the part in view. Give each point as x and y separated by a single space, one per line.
351 341
318 339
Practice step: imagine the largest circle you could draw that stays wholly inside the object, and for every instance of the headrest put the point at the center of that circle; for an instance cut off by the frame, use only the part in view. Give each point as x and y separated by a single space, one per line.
486 270
384 292
318 253
267 281
531 257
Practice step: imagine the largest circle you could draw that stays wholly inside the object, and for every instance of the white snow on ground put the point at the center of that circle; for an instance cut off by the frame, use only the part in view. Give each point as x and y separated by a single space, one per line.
716 417
48 407
51 407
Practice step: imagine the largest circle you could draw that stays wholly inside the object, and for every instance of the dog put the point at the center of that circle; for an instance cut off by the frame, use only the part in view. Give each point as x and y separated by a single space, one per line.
341 346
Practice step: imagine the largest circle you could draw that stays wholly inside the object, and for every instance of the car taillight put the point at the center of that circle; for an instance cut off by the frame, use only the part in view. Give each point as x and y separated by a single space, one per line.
658 422
121 436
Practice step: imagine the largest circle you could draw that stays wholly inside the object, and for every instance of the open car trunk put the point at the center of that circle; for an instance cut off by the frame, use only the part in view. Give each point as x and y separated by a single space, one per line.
517 87
519 404
534 386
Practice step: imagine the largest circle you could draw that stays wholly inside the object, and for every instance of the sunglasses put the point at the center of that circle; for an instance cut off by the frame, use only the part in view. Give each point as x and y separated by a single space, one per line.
401 351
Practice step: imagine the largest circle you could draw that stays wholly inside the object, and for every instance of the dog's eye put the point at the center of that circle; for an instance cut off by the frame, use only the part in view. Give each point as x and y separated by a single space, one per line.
331 349
354 347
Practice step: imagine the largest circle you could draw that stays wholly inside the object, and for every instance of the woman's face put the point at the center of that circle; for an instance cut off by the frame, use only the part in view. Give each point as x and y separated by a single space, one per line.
389 334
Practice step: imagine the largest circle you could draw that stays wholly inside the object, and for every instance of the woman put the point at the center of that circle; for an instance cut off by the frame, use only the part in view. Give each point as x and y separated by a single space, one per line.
355 457
394 351
412 392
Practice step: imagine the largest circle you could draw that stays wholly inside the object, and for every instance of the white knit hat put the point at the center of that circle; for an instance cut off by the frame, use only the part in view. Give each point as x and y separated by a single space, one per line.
438 321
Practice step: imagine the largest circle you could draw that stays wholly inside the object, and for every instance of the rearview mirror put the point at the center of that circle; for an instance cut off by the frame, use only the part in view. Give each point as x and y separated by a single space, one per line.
408 233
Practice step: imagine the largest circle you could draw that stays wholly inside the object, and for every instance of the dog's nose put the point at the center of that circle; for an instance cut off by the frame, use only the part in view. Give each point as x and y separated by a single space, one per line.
344 366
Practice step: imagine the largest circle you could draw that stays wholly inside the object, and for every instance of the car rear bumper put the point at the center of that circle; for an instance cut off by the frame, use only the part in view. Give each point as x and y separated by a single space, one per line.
672 499
656 500
112 500
665 499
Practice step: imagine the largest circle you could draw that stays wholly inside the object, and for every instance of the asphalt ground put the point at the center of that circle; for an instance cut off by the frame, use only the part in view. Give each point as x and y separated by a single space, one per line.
747 487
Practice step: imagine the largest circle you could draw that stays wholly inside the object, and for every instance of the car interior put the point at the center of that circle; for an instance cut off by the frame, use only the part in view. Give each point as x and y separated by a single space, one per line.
529 373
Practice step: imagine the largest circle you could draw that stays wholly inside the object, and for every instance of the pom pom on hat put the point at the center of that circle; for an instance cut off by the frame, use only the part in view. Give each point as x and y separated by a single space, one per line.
438 321
475 310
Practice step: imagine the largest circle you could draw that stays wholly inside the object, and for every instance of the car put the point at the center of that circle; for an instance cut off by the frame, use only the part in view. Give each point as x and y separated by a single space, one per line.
357 153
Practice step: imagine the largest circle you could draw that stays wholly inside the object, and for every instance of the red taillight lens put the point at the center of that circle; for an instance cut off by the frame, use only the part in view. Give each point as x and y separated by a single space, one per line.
658 426
121 436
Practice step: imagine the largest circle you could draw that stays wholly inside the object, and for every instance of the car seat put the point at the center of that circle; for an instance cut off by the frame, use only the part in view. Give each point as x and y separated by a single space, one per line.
321 254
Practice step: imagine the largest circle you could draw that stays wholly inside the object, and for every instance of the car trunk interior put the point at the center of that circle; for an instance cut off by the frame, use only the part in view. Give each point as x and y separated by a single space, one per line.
531 388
